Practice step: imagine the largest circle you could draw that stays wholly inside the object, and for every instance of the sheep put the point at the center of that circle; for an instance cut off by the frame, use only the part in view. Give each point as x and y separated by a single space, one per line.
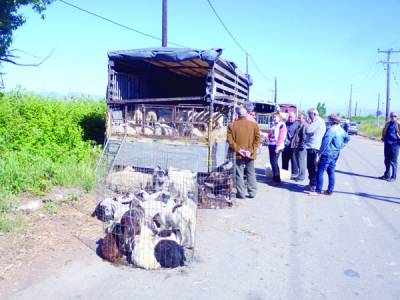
110 209
151 117
182 182
128 180
138 116
159 178
131 225
197 133
109 248
169 254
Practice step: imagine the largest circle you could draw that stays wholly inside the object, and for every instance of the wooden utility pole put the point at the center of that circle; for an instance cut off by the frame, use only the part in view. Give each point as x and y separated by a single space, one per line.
164 24
378 112
355 109
349 110
388 63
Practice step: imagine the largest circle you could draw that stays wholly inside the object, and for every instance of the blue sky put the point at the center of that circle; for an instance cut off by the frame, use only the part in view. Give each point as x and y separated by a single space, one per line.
316 49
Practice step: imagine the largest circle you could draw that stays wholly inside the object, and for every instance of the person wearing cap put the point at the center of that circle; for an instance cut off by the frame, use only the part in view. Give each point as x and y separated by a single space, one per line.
315 131
244 138
391 139
333 141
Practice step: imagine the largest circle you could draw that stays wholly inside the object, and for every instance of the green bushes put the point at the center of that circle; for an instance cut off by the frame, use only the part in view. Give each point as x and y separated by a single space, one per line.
46 142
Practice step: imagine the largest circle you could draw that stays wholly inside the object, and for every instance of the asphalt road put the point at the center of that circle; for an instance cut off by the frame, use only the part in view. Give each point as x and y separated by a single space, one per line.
281 245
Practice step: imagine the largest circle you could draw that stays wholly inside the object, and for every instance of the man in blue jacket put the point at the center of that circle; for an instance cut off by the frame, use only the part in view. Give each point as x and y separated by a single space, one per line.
391 138
334 140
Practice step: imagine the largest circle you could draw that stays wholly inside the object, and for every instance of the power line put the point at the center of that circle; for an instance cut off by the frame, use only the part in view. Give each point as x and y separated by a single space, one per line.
116 23
226 28
236 41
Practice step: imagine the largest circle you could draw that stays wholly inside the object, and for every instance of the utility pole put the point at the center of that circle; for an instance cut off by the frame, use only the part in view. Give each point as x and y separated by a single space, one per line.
247 63
164 24
388 63
378 112
275 93
355 109
349 110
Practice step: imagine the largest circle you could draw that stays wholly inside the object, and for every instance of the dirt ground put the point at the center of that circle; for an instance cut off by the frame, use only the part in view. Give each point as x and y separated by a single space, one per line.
48 233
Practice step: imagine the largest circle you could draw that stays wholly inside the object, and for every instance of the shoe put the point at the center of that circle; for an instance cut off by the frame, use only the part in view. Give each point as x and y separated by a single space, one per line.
391 179
314 194
250 196
293 177
239 196
383 178
326 193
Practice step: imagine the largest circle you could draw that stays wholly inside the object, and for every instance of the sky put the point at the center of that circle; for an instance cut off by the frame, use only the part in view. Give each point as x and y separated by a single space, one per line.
316 49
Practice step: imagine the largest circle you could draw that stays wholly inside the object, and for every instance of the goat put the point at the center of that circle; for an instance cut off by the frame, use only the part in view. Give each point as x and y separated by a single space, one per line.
169 254
109 248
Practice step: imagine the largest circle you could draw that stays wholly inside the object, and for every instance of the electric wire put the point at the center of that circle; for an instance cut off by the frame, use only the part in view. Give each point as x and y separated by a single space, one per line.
117 23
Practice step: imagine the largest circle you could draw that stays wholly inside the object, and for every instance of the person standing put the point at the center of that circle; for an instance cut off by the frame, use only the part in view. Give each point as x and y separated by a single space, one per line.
315 131
334 140
288 153
391 139
299 152
244 138
276 143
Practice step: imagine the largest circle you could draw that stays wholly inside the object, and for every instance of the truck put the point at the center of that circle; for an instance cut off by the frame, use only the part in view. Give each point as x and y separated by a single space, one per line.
169 108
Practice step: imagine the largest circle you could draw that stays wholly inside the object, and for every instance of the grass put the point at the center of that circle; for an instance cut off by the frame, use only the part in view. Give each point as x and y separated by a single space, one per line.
46 142
369 126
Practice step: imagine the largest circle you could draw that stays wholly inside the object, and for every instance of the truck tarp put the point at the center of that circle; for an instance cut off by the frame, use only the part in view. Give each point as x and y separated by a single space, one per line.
166 54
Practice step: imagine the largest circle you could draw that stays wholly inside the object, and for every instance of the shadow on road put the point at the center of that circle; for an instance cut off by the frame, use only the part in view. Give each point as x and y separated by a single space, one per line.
374 197
292 187
355 174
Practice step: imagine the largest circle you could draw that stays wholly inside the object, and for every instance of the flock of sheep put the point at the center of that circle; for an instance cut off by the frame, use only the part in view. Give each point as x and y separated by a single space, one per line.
183 127
151 219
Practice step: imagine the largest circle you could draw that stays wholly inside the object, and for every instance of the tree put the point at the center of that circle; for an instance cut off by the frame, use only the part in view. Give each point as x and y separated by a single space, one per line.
321 109
10 20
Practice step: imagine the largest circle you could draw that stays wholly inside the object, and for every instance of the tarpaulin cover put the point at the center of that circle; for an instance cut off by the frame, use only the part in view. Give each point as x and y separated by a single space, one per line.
166 54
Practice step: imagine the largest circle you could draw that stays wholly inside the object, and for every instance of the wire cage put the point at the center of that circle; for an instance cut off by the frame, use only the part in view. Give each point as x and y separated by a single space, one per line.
148 208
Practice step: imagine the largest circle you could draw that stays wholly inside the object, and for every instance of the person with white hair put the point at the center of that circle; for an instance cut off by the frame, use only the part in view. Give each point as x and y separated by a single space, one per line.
292 126
244 138
315 131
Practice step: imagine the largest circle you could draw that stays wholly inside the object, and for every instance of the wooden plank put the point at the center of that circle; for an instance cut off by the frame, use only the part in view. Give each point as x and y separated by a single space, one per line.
225 65
223 79
150 100
229 74
232 91
217 94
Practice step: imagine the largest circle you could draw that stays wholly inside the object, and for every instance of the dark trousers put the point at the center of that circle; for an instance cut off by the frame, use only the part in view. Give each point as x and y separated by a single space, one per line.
300 158
312 166
391 156
245 166
327 163
273 159
288 155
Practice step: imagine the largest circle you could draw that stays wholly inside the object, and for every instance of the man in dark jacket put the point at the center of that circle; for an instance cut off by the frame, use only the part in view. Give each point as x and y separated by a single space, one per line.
244 138
391 139
300 152
288 153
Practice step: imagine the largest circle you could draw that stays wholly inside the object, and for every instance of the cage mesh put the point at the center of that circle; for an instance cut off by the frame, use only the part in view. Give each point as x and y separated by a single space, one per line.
148 202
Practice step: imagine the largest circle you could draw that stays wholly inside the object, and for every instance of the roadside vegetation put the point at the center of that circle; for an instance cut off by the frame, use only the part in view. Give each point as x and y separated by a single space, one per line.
369 126
43 143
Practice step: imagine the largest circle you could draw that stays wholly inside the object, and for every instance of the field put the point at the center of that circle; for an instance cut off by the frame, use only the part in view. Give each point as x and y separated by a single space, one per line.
44 143
369 126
